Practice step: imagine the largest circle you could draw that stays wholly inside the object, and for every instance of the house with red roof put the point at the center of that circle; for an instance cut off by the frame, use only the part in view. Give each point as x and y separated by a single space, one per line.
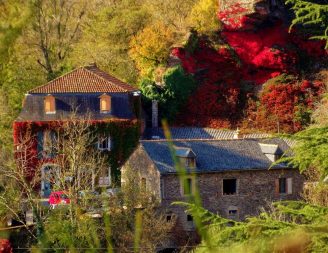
109 103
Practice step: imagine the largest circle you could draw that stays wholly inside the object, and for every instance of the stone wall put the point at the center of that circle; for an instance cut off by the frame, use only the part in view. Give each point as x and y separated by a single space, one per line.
255 189
139 162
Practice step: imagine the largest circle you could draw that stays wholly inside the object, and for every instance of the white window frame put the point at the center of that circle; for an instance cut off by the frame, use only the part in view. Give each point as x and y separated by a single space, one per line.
109 143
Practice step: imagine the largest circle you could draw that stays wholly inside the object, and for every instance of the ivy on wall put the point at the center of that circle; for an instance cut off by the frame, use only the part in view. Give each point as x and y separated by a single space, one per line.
124 135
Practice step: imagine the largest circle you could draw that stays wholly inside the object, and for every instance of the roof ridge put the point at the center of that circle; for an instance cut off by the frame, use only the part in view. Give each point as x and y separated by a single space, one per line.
194 140
53 80
104 78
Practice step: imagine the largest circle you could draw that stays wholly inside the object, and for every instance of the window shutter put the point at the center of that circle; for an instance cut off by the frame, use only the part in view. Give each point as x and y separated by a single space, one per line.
289 185
52 104
49 104
276 188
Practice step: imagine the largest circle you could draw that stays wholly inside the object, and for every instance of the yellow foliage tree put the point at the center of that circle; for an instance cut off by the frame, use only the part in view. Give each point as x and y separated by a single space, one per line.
151 47
203 16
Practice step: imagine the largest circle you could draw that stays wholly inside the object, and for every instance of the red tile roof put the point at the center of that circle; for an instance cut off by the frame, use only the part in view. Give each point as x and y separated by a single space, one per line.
89 79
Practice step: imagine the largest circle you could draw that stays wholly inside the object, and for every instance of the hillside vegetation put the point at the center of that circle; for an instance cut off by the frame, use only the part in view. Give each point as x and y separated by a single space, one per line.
208 65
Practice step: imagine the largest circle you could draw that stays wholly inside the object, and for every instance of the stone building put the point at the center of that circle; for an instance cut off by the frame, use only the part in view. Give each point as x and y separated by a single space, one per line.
235 177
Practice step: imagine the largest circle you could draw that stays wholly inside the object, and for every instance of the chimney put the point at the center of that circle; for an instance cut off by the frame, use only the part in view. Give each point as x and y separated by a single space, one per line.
237 134
154 114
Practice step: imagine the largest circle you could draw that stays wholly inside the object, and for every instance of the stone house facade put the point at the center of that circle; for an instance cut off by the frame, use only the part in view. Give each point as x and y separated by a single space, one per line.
234 177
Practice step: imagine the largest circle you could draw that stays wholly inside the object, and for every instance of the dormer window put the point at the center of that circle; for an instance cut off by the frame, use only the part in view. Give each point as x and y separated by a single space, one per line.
271 151
105 103
50 104
186 157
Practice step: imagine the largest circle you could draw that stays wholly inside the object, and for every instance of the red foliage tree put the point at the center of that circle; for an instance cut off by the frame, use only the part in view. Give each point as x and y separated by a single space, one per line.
254 56
284 106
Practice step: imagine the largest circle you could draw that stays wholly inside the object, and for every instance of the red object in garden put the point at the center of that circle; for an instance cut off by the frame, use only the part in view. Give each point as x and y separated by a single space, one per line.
59 197
5 246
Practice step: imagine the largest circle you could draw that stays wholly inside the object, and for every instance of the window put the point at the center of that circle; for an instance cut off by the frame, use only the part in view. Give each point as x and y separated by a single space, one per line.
233 212
229 186
104 178
143 184
104 181
190 162
104 143
49 143
284 186
188 186
50 104
168 217
105 103
189 217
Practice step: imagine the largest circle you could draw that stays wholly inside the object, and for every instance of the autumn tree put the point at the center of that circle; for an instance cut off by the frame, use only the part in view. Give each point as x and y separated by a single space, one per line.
106 36
173 14
203 16
151 47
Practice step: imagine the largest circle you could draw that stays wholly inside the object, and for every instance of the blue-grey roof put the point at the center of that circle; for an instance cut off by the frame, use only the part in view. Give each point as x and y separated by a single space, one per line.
33 108
184 152
215 155
185 133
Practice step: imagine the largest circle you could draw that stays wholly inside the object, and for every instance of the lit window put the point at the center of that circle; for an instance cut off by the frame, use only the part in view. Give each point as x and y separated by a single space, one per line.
229 186
50 104
105 103
104 143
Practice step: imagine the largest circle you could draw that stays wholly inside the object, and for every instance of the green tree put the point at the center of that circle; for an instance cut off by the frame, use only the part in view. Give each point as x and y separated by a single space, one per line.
173 93
288 226
313 14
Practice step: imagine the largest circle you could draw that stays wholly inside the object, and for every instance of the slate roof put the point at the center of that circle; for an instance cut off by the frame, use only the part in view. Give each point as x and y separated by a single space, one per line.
184 152
216 155
89 79
188 133
33 109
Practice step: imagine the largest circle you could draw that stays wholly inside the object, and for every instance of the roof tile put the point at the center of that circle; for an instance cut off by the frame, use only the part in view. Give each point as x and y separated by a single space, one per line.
88 79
